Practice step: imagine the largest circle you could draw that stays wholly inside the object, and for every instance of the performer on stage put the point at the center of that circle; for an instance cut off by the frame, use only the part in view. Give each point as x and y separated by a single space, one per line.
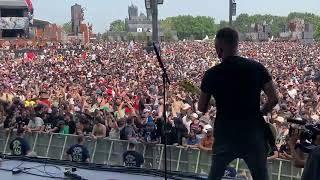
239 130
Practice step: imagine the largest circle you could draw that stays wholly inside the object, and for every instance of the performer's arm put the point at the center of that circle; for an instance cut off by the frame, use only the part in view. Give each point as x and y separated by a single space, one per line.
205 96
204 100
272 97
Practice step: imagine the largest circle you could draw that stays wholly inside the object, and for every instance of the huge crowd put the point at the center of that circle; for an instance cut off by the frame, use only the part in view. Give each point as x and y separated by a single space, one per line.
114 90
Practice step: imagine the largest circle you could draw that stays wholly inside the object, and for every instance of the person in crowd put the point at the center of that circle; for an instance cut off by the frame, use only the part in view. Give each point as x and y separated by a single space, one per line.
177 105
180 130
87 127
192 141
99 129
127 132
71 125
115 131
186 115
19 146
284 150
78 152
51 118
206 143
132 158
273 153
196 126
236 86
149 134
22 120
61 128
79 128
35 124
54 87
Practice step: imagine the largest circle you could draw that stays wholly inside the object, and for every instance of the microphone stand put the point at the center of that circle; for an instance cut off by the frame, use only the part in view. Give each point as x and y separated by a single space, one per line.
165 81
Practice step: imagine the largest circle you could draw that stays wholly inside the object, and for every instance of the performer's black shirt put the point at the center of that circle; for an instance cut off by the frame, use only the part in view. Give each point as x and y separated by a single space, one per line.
236 86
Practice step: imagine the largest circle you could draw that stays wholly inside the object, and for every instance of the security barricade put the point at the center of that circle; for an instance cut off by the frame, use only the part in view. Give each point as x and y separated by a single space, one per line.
109 151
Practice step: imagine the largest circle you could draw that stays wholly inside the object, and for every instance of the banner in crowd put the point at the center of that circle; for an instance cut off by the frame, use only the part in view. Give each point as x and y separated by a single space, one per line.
23 53
14 23
30 56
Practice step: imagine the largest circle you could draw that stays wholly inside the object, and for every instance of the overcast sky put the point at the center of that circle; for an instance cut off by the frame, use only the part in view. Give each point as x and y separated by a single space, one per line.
102 12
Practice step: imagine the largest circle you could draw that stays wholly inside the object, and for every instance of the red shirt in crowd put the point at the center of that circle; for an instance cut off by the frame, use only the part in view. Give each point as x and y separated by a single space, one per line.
45 102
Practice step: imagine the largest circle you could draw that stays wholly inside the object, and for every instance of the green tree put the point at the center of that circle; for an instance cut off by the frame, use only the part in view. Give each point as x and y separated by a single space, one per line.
277 25
317 33
190 26
130 36
104 36
168 36
308 17
117 26
67 27
223 24
166 25
142 36
242 22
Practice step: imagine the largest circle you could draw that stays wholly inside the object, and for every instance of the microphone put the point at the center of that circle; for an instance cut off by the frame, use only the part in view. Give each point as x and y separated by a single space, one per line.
161 63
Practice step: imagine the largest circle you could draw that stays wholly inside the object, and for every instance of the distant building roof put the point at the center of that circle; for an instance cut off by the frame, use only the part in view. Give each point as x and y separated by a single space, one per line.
13 3
40 23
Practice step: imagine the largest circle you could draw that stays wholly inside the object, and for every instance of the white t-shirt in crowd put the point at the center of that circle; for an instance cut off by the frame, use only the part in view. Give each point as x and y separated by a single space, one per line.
35 123
186 122
292 93
93 57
